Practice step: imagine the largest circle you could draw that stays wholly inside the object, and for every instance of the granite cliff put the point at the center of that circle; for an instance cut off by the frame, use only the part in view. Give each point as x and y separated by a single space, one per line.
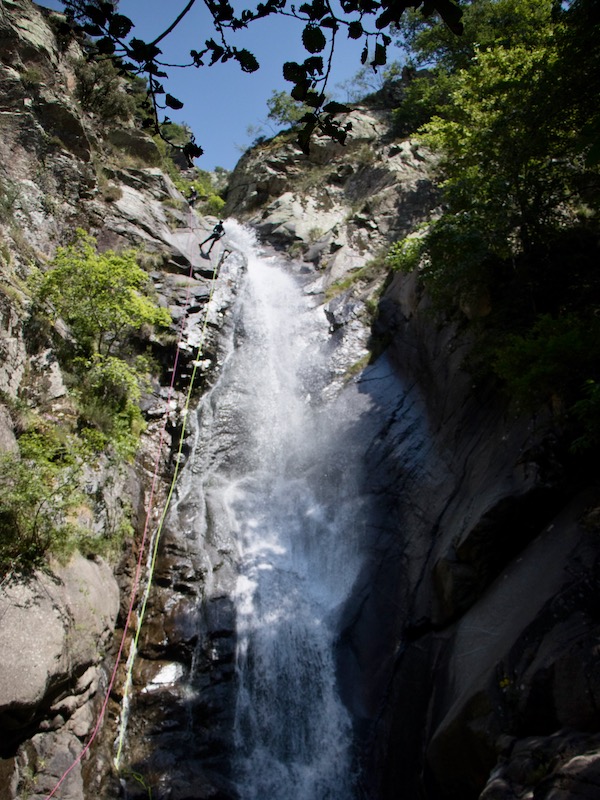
468 656
63 167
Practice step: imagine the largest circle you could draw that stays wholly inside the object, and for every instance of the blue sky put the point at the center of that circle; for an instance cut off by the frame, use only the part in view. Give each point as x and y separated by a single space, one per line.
221 102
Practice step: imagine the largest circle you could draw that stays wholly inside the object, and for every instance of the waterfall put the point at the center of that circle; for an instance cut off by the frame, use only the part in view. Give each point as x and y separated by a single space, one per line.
276 479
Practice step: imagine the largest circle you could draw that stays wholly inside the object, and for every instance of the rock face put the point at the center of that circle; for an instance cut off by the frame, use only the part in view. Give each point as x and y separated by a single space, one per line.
469 652
181 702
468 657
490 565
338 207
55 630
63 167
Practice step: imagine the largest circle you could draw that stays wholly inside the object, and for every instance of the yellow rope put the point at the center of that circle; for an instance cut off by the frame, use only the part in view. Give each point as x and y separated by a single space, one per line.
134 644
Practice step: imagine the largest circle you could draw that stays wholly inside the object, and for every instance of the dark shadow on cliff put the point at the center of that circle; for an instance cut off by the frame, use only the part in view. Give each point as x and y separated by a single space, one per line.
466 501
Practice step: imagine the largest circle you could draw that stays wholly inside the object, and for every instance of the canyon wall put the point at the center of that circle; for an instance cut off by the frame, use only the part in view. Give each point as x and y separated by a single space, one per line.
468 657
63 167
469 652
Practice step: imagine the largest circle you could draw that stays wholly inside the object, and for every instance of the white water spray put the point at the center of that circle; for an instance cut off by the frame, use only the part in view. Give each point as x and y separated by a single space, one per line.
279 489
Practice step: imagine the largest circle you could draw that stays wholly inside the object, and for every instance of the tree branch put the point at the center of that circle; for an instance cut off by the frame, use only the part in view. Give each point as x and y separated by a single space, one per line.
175 23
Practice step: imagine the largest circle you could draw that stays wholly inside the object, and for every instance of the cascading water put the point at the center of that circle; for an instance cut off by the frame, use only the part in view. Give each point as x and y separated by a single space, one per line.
262 613
276 477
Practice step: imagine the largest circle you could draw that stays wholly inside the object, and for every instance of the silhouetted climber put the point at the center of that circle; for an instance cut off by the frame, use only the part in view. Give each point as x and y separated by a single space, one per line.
192 197
218 232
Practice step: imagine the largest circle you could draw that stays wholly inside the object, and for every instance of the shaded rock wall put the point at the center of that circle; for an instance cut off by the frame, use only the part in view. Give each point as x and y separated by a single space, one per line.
469 651
474 629
468 657
63 167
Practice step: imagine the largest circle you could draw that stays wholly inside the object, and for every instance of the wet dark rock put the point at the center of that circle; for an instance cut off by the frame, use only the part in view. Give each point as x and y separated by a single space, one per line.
468 650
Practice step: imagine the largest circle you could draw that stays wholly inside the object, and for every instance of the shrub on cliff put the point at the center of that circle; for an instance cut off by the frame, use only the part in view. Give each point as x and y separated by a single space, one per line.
101 90
44 509
103 298
518 165
108 392
40 497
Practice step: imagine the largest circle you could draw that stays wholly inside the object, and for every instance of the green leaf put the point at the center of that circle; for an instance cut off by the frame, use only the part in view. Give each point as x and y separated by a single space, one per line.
451 14
314 10
313 99
300 90
355 30
380 57
336 108
105 46
246 60
334 130
192 150
314 65
305 134
142 51
119 25
222 11
329 22
313 39
92 30
173 102
197 58
95 14
293 72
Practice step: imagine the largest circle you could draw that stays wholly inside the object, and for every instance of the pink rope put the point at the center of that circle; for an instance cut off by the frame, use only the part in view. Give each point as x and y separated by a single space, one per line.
138 572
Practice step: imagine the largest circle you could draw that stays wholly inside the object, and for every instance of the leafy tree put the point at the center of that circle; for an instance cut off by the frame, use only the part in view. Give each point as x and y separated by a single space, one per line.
101 296
512 159
100 89
359 20
284 111
486 24
502 162
424 95
103 299
40 494
515 135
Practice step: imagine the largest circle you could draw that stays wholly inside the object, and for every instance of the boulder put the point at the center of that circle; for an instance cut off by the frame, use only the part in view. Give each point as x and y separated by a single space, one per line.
54 628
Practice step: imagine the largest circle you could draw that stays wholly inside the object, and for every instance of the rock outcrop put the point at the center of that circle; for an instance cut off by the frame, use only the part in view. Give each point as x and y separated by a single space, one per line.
468 656
63 167
338 207
56 629
469 651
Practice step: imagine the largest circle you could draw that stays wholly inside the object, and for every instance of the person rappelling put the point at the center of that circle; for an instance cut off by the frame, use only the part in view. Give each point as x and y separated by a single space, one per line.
217 233
192 197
